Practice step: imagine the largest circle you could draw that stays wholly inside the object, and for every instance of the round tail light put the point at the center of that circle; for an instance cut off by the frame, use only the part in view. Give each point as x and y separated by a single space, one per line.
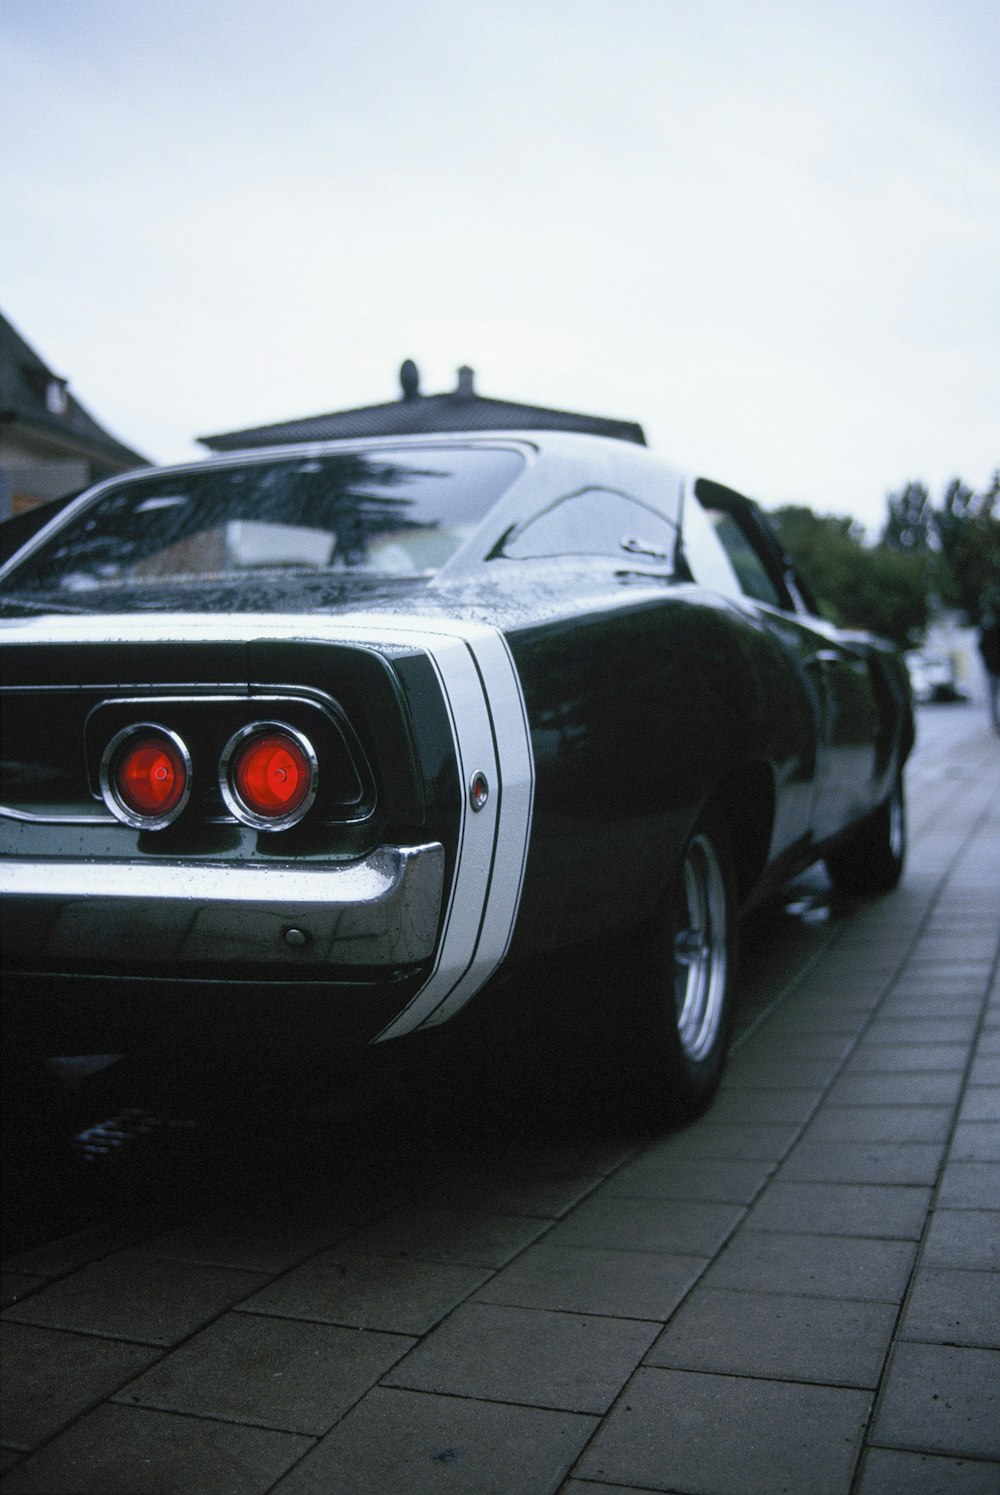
146 776
268 775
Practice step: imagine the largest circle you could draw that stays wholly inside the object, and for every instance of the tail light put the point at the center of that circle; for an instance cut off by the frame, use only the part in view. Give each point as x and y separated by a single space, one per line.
269 775
146 776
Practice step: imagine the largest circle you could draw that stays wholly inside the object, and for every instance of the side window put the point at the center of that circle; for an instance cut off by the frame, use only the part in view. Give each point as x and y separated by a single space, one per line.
707 560
751 573
595 521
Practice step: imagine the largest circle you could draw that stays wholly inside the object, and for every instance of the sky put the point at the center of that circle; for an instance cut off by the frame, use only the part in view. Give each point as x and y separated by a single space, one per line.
768 231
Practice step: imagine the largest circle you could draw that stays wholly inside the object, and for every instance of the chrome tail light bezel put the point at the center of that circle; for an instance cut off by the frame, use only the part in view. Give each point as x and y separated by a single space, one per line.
111 760
228 763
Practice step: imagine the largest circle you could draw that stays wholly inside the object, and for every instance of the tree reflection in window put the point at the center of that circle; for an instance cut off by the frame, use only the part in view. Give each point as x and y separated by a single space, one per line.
393 512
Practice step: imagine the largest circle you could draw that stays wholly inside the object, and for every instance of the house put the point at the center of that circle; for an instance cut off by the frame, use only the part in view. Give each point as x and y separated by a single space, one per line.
413 413
50 446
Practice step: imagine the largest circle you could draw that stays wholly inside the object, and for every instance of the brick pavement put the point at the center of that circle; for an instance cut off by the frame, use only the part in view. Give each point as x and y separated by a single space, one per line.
800 1292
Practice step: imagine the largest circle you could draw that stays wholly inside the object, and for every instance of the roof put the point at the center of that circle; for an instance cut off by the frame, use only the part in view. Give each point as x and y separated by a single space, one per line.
414 414
32 396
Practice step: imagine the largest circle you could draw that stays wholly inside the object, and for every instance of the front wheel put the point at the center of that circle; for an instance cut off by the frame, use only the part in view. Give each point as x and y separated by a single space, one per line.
687 977
871 859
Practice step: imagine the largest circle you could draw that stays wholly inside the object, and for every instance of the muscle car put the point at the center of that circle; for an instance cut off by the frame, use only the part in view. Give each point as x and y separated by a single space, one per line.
329 738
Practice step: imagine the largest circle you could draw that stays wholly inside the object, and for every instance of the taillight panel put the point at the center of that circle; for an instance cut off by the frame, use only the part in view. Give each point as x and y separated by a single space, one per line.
269 762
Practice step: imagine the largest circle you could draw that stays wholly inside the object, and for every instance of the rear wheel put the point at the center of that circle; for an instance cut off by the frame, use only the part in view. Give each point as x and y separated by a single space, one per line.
871 859
686 981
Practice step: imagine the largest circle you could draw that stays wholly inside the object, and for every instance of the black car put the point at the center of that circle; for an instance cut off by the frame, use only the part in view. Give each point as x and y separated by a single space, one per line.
320 740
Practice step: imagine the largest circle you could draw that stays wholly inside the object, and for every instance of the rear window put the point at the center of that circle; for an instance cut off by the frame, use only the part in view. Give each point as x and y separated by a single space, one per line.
391 512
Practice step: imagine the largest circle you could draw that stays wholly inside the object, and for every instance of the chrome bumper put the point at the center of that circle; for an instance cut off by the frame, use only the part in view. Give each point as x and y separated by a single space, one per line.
380 911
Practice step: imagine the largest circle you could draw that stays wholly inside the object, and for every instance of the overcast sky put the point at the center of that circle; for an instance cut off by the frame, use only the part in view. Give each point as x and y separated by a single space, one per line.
769 231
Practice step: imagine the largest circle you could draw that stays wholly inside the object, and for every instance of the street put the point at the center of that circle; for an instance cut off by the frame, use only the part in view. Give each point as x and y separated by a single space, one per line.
446 1273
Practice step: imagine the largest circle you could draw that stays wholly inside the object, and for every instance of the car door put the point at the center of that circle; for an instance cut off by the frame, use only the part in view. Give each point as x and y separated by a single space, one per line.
834 668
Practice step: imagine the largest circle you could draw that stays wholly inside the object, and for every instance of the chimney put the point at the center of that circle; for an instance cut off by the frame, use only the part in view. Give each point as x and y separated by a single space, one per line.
409 379
464 389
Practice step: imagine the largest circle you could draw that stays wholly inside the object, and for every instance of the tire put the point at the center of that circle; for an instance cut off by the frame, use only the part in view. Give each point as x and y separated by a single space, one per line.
686 980
870 860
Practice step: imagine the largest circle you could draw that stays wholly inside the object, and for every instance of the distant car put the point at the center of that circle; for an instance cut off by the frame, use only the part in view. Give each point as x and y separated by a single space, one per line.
932 677
320 740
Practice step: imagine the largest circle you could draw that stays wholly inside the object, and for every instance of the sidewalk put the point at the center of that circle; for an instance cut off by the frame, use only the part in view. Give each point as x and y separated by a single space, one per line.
800 1292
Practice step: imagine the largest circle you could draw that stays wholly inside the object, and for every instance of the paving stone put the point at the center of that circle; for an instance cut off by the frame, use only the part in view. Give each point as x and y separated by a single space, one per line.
778 1336
447 1235
278 1373
510 1193
921 1030
401 1295
596 1152
396 1441
896 1090
980 1103
790 1040
777 1071
136 1297
673 1226
48 1378
968 1239
816 1265
722 1180
756 1107
718 1435
589 1280
834 1008
888 1472
863 1162
908 1058
68 1253
566 1361
17 1285
970 1186
711 1139
976 1142
786 1036
589 1487
985 1070
842 1209
941 1399
875 1124
929 1001
828 1015
253 1241
127 1451
967 947
948 1306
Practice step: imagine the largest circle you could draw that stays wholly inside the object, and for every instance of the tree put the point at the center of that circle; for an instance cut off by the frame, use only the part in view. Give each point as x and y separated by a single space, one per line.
968 525
909 524
879 588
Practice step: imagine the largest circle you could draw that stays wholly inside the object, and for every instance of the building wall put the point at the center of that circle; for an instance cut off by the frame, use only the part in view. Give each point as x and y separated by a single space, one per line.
29 477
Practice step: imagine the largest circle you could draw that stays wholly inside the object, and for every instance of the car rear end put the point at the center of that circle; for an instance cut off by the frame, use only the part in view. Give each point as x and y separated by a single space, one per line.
283 826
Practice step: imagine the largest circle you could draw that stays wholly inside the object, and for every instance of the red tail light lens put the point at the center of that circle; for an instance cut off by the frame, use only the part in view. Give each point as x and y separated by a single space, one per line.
268 776
146 776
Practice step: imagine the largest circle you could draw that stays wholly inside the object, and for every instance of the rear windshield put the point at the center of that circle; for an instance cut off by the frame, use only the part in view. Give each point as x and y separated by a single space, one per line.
394 512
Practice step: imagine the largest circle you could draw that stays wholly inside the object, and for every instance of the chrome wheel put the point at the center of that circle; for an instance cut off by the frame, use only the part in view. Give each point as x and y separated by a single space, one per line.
701 949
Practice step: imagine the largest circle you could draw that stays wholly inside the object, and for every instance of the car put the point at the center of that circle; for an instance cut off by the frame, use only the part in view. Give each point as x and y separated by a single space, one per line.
933 677
329 740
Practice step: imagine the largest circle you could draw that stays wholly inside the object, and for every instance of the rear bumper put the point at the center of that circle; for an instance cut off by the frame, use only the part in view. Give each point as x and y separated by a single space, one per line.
382 911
